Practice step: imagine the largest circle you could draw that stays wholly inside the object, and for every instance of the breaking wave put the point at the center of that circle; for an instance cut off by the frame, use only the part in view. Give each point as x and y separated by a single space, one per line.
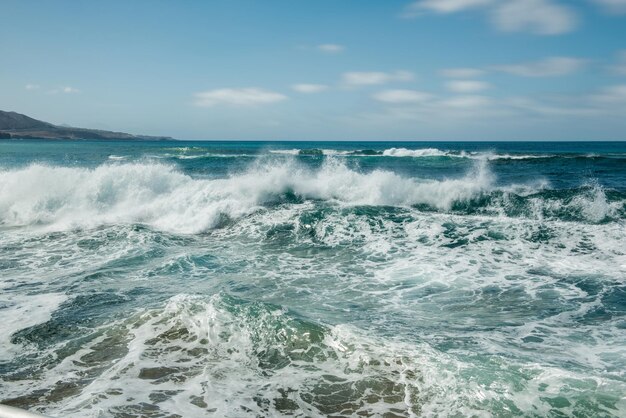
426 152
161 196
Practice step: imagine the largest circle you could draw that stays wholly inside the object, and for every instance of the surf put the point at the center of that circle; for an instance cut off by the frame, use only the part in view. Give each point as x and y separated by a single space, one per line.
162 196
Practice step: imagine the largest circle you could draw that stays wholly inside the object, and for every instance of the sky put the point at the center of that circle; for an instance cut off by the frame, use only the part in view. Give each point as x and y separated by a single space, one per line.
320 69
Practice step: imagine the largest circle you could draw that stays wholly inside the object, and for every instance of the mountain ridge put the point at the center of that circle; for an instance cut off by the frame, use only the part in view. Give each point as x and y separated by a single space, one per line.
15 125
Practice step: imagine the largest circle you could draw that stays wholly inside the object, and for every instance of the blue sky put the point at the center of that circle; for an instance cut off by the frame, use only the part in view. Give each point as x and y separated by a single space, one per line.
323 69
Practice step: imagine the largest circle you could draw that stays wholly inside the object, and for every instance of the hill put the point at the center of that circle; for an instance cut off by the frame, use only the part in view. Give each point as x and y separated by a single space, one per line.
17 126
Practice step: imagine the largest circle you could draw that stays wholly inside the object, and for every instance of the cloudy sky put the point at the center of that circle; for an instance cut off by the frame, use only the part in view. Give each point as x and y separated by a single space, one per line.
321 69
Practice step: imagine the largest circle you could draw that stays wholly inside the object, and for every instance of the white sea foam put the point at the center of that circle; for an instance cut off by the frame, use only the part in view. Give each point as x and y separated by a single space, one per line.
491 156
159 195
200 355
297 151
484 297
416 153
434 152
209 155
404 152
293 151
204 356
391 152
463 311
19 311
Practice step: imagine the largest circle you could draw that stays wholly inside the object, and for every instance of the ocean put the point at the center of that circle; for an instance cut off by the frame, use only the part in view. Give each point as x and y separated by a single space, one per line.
306 279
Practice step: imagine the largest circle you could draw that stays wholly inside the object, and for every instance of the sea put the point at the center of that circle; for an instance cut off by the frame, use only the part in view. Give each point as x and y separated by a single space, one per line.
313 279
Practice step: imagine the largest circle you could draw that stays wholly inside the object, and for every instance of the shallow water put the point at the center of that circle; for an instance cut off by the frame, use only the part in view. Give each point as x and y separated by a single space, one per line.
169 279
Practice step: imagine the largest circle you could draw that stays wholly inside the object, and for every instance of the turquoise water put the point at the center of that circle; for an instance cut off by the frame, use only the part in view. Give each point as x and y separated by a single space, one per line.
236 279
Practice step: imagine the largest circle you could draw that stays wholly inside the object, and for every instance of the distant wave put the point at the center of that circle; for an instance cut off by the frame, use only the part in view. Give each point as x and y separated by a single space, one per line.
392 152
425 152
310 152
432 153
209 155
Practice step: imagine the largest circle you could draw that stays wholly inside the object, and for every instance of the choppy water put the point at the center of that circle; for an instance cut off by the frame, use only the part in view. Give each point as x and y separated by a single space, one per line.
167 279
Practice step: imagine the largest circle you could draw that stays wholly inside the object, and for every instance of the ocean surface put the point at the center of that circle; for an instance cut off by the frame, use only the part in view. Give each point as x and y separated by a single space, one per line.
265 279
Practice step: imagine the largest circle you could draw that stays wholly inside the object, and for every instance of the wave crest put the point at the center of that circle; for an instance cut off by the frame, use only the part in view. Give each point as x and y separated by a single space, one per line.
404 152
161 196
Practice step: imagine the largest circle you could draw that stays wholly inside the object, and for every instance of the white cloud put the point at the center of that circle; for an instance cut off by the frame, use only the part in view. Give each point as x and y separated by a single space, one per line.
549 67
444 6
331 48
375 78
467 102
64 90
69 90
32 86
608 101
613 6
542 17
430 109
620 66
461 72
309 88
367 78
237 97
532 106
467 86
611 95
401 96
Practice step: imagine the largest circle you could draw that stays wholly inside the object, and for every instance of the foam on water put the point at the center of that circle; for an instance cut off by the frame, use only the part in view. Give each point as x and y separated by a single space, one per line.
316 287
221 356
23 311
514 298
160 195
426 153
403 152
293 151
275 363
60 198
